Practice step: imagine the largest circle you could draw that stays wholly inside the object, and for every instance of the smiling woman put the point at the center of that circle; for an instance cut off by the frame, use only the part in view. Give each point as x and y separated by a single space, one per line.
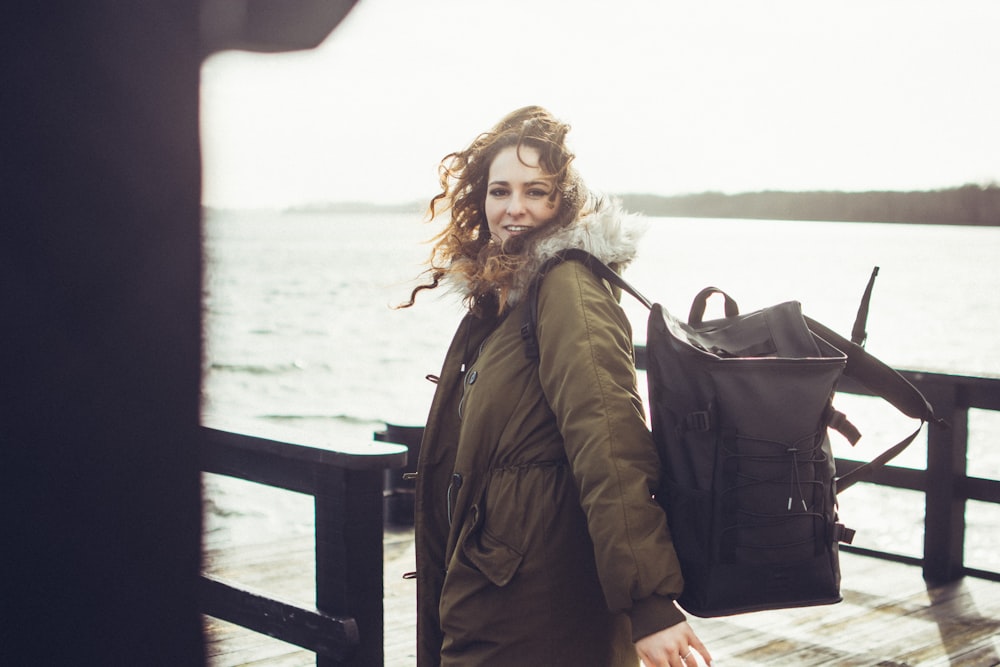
537 538
518 175
520 196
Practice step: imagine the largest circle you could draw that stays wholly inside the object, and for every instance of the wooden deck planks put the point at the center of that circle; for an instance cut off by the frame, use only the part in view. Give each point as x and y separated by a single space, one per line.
400 600
285 568
889 618
229 645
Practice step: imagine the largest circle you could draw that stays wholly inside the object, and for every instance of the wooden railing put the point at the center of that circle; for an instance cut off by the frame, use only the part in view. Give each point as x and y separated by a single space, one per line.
945 483
346 625
351 487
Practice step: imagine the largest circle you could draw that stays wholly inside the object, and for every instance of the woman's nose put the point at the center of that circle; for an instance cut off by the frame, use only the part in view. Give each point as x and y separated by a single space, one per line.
516 205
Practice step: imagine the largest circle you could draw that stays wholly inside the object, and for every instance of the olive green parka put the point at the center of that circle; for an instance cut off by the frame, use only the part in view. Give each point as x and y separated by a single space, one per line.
537 539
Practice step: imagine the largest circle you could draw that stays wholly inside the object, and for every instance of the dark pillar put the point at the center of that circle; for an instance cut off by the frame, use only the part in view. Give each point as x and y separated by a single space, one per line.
100 286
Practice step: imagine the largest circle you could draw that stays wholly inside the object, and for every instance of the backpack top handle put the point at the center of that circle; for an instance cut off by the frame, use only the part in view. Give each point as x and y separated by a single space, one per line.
697 313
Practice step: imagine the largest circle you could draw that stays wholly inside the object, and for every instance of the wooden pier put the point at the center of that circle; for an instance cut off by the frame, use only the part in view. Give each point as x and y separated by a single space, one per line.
889 617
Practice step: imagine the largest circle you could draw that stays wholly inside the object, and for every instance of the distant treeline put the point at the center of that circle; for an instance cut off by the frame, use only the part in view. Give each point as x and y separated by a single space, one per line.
967 205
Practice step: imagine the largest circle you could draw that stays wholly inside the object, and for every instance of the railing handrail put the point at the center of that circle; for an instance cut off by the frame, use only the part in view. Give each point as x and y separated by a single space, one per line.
346 625
976 391
300 445
971 391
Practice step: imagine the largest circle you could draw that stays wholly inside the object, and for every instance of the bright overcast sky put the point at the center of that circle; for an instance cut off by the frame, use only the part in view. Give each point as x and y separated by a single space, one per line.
664 96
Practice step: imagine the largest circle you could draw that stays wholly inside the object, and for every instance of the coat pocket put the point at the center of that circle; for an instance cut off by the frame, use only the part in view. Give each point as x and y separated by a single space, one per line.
497 560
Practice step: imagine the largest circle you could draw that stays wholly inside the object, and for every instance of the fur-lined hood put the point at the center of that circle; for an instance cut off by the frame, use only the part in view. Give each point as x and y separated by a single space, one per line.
609 233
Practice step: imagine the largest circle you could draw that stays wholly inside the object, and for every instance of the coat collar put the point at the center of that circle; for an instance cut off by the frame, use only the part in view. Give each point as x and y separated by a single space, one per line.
609 233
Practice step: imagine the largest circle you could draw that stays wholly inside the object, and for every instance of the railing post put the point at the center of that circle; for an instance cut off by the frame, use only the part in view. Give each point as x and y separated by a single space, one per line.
944 513
349 566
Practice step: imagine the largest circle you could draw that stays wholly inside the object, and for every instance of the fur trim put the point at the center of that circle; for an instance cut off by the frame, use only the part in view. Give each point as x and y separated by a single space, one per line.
610 233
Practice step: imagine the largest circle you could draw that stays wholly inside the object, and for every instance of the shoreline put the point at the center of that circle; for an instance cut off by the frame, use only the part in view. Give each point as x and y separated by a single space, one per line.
968 205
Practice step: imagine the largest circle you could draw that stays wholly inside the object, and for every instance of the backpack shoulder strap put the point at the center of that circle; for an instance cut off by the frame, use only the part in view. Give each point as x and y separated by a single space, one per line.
596 266
885 382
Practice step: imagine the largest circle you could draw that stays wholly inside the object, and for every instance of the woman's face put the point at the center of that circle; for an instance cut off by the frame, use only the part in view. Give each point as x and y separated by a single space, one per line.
519 194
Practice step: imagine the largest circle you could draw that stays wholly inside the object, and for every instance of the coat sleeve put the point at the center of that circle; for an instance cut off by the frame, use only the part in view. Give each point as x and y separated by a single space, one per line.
587 371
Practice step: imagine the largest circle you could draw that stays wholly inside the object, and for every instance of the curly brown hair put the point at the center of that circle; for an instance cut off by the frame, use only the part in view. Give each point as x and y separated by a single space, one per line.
464 249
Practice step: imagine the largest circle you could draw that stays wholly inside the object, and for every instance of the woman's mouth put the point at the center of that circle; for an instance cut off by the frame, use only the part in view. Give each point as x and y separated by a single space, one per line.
517 229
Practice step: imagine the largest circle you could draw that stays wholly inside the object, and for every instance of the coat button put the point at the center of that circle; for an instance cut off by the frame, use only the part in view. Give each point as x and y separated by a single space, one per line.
472 377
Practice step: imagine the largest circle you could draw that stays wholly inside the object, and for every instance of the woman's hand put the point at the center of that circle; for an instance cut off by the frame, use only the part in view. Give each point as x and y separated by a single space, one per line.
672 647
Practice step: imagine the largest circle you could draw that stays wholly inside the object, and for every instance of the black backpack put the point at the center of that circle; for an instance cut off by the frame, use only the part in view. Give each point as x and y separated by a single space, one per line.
740 408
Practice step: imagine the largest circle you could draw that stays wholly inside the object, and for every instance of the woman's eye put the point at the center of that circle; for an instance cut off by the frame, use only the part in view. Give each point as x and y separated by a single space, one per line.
498 192
537 193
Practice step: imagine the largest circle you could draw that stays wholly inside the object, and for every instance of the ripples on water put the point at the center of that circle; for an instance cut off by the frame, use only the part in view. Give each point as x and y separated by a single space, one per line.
300 331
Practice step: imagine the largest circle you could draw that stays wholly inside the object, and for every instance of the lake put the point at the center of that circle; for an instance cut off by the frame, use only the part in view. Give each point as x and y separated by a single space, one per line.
301 331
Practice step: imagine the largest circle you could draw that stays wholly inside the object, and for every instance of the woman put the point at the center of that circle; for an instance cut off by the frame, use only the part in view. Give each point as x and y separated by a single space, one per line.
537 540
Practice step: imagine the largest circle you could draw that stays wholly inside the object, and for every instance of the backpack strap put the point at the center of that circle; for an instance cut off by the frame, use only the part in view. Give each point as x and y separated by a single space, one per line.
884 381
596 266
858 333
880 378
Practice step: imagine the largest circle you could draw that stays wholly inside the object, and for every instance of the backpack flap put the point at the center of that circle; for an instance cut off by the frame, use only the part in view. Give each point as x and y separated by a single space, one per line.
778 331
764 374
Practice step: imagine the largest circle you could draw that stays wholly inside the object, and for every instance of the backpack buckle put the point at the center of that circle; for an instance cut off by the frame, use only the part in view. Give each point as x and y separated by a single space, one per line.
698 421
842 533
838 421
530 342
